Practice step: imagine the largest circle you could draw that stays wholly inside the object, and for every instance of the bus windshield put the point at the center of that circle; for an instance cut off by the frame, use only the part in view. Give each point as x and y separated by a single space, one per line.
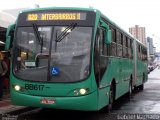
56 55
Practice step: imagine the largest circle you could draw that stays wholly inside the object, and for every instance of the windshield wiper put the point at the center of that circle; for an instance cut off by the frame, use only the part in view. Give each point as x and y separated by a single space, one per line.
65 32
40 40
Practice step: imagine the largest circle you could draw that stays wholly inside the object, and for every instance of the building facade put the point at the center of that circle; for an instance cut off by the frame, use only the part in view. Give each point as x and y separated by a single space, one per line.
139 33
151 49
150 45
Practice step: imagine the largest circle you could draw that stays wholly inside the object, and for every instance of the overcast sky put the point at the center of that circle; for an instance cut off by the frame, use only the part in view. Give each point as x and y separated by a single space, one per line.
126 13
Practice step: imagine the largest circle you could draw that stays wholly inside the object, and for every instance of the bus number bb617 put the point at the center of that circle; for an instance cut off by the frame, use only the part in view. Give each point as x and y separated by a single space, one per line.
34 87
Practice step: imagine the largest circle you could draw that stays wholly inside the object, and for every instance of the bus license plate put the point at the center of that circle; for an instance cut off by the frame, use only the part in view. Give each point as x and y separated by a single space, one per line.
47 101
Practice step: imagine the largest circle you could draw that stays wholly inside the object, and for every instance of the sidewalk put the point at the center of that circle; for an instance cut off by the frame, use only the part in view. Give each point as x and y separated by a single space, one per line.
6 106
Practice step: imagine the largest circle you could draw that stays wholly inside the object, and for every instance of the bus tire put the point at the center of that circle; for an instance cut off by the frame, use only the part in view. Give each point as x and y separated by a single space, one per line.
129 94
108 108
141 87
111 98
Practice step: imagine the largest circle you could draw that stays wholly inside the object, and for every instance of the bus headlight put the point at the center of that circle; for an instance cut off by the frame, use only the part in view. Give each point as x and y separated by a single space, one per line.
17 88
82 91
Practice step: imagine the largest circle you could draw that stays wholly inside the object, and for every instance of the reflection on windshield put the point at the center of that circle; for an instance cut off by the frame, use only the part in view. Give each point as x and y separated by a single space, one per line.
65 32
38 36
69 58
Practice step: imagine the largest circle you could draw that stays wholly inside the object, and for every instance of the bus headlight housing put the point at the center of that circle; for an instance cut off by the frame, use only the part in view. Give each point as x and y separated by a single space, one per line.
81 91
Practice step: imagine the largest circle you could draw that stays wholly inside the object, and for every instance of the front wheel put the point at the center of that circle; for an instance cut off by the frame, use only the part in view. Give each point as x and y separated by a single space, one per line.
111 95
111 98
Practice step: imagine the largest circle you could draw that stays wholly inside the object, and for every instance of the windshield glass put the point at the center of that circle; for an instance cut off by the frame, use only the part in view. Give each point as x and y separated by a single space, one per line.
54 54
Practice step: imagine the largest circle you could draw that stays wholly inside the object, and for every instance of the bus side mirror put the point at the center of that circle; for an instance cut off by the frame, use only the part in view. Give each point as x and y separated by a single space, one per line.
108 37
108 34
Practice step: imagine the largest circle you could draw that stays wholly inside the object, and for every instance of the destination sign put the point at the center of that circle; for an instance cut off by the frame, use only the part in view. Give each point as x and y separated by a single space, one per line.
55 16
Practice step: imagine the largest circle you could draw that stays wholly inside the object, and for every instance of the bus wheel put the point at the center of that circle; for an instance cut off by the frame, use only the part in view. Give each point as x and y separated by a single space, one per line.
111 98
129 94
141 87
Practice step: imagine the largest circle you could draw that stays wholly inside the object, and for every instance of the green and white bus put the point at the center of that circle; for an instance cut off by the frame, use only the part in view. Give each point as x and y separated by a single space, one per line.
72 58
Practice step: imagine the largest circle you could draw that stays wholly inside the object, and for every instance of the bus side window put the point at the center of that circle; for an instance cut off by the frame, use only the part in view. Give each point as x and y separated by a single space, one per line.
139 52
110 49
103 48
102 45
131 46
100 53
119 43
114 43
97 58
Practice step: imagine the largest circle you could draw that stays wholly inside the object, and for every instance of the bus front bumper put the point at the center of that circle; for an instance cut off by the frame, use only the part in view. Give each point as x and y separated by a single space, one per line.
86 103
